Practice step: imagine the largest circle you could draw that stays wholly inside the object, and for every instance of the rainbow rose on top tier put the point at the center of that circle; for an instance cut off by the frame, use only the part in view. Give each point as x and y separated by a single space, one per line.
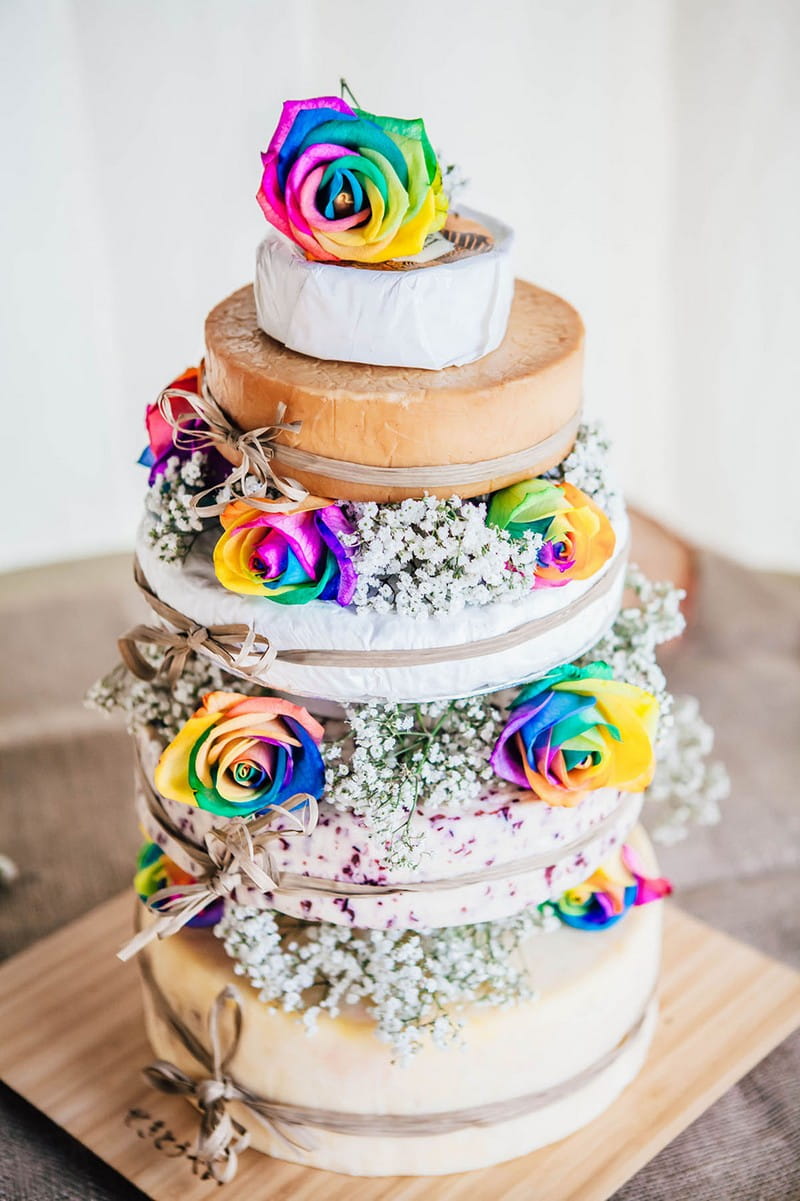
240 755
578 537
575 730
345 184
291 558
610 892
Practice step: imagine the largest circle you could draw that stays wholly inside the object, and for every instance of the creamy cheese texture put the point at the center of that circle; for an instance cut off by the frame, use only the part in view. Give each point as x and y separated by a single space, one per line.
593 989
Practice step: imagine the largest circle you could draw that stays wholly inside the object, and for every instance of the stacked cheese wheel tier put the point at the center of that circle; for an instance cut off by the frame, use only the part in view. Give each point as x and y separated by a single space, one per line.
552 1064
524 397
345 655
483 861
399 315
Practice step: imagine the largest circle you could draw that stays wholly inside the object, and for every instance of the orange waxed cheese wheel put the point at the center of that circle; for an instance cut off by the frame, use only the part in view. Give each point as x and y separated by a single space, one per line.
519 395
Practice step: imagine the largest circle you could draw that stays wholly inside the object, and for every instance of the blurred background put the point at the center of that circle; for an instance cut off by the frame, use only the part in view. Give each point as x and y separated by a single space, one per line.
645 151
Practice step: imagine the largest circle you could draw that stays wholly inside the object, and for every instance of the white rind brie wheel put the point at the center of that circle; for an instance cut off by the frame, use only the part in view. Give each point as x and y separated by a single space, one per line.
574 616
443 315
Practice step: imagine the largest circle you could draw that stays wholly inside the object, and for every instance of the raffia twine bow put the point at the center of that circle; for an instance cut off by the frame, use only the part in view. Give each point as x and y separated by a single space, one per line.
234 853
220 1138
254 450
238 647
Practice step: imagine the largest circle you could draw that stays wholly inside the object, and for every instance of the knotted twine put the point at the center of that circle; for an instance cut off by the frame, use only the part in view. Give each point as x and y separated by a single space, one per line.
190 857
233 853
253 450
237 647
256 451
250 659
221 1139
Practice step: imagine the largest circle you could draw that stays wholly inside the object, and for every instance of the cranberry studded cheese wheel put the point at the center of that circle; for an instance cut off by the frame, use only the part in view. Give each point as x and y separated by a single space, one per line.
523 399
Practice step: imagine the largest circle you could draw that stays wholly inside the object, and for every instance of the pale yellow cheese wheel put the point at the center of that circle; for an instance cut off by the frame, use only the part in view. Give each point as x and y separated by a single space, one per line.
592 990
523 393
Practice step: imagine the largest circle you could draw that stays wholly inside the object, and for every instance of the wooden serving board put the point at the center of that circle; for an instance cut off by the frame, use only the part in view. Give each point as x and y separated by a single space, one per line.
73 1044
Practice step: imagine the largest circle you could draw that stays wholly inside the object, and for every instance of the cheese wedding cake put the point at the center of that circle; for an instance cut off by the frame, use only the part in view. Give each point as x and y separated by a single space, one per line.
394 729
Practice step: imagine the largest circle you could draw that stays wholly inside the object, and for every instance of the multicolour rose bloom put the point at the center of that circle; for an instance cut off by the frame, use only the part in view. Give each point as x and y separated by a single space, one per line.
346 184
160 434
291 558
610 892
575 730
155 870
238 756
578 537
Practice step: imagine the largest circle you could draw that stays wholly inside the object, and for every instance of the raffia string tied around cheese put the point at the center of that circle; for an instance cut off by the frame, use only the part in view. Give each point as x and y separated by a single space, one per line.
191 858
236 852
237 647
480 647
292 1122
254 449
256 452
451 476
220 1139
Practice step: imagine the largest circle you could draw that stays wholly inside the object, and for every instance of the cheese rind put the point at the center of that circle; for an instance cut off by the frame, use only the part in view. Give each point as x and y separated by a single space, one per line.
510 400
192 588
441 315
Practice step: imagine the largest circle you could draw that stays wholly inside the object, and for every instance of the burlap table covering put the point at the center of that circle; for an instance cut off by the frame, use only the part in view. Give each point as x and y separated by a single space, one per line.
69 772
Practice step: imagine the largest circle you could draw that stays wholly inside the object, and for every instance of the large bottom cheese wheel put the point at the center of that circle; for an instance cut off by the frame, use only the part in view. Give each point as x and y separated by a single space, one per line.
564 1056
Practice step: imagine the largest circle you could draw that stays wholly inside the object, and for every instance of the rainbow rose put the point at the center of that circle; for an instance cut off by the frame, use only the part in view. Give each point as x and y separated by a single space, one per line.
237 756
345 184
161 445
610 892
578 537
575 730
155 870
291 558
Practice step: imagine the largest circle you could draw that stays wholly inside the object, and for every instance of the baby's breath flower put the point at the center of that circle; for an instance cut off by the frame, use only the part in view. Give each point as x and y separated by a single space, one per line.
630 645
588 467
172 523
428 556
687 788
155 703
412 983
395 757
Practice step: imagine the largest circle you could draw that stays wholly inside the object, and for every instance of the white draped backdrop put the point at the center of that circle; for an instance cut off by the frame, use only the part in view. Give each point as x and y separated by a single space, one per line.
645 151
